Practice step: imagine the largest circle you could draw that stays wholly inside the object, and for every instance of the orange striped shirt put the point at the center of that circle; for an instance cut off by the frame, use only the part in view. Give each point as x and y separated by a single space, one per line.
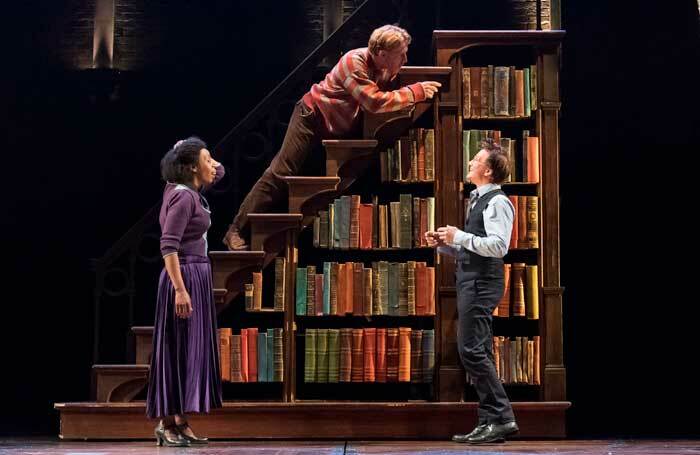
355 82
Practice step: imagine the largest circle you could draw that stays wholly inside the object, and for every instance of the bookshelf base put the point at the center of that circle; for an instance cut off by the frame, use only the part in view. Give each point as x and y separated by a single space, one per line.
310 420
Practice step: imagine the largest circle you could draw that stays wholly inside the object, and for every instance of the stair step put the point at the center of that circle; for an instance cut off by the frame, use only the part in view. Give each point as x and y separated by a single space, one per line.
389 126
144 344
230 271
309 420
266 227
348 157
411 74
304 191
118 383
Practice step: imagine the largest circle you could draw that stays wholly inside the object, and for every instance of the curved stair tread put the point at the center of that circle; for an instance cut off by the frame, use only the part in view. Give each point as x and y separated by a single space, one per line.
230 270
118 382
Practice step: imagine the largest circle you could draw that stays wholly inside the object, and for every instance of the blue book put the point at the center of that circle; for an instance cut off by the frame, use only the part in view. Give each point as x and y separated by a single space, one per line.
301 291
262 357
326 288
270 354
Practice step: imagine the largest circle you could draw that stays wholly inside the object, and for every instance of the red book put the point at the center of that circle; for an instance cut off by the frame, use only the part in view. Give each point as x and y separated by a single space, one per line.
370 335
349 287
358 292
244 354
430 275
225 353
421 289
358 354
380 361
423 221
533 159
514 230
354 221
404 354
253 354
392 355
366 226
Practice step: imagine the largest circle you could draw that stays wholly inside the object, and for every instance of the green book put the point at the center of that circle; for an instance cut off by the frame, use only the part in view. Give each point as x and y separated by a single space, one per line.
322 355
323 229
526 91
311 290
474 143
403 289
383 267
393 291
406 221
278 356
301 291
344 222
326 288
262 357
270 355
333 355
337 215
331 226
310 355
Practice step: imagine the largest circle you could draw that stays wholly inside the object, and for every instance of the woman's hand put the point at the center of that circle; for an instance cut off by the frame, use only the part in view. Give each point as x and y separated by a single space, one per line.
183 304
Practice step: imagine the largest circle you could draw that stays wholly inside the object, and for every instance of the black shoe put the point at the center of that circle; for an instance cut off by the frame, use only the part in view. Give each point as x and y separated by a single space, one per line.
465 437
494 432
191 439
162 438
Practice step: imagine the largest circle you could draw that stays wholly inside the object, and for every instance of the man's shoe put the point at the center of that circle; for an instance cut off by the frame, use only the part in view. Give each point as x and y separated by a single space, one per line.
234 241
465 437
494 432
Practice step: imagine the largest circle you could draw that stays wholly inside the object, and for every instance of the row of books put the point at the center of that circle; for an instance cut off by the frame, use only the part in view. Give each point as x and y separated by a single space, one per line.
387 288
369 355
254 290
411 159
350 224
524 161
521 294
251 356
499 91
517 360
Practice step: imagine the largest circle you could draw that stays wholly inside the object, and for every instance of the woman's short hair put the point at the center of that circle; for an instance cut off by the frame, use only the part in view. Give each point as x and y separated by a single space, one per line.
497 160
388 38
176 165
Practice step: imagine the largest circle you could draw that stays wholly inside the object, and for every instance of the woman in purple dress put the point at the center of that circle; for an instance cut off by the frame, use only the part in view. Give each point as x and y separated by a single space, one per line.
184 374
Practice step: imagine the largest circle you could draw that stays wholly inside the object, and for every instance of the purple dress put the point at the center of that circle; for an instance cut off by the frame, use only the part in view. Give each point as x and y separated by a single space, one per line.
184 375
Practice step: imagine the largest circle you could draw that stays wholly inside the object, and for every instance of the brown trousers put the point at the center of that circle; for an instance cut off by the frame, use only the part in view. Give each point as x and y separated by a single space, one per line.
301 138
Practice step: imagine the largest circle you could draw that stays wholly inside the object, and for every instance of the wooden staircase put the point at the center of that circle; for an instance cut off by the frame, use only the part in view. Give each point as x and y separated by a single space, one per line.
113 414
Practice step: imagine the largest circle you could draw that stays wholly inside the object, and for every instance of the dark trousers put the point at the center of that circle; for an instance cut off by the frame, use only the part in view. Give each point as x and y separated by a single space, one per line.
477 296
300 139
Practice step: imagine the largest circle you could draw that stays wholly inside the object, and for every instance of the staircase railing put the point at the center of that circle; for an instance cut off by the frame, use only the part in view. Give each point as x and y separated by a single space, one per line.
245 151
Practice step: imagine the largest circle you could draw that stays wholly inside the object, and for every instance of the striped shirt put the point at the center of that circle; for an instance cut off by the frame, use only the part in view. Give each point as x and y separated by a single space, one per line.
355 82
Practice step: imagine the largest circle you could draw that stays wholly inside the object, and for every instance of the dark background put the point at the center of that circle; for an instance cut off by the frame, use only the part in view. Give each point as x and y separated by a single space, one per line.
80 170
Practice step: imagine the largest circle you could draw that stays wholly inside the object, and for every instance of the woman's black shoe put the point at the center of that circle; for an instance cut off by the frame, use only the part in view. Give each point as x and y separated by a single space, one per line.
191 439
162 438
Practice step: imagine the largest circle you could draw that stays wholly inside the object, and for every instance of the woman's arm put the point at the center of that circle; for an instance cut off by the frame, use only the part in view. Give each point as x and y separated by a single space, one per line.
183 304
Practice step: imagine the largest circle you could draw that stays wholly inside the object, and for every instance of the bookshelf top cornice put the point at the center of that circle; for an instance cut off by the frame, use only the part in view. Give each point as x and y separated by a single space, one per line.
459 38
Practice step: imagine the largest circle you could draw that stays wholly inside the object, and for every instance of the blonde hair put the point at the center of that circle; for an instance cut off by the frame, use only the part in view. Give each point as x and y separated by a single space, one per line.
388 38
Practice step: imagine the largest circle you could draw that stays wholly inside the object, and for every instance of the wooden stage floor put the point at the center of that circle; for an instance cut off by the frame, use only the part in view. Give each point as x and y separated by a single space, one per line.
36 446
